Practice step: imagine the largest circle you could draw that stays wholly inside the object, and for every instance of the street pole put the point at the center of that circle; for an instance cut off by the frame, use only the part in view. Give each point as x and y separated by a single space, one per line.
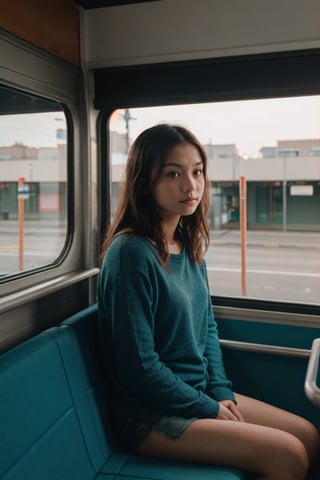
21 198
284 195
243 233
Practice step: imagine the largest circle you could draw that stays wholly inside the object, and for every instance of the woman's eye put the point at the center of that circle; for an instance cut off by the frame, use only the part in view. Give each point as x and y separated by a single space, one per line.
173 174
198 172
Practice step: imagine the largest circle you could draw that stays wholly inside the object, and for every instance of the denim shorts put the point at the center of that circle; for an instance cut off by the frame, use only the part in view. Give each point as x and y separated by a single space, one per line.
172 427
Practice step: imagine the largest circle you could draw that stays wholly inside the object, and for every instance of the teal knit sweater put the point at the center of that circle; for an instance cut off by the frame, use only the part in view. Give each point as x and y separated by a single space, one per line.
158 335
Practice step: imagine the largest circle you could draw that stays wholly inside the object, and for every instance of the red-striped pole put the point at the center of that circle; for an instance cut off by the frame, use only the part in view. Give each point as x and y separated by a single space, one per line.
243 233
21 222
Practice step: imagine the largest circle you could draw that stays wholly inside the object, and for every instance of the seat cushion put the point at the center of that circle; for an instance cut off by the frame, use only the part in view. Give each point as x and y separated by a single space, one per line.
126 466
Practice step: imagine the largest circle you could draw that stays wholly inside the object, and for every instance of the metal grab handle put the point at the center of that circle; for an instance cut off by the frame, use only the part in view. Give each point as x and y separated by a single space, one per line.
310 386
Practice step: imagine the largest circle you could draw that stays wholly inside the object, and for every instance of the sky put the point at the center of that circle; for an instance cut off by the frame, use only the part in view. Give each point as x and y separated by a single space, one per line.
33 130
249 124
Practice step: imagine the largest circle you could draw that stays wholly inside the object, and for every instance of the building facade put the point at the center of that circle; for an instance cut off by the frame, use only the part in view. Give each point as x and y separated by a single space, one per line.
283 183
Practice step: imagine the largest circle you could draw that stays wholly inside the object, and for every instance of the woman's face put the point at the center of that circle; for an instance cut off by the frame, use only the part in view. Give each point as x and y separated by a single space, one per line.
179 188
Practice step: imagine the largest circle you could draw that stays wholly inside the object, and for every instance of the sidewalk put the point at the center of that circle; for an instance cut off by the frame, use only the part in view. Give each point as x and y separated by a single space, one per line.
266 238
34 227
255 238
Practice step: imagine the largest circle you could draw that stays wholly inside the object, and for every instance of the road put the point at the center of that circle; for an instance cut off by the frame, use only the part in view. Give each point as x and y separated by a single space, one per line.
281 266
43 241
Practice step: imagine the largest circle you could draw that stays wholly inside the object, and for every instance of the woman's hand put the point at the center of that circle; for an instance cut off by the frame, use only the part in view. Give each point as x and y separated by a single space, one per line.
228 411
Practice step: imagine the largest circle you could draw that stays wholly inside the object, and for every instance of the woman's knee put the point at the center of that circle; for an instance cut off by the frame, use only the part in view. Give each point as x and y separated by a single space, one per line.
283 457
309 435
295 459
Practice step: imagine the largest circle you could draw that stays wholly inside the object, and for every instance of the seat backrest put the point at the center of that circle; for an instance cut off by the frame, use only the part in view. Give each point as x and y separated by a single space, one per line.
78 341
41 436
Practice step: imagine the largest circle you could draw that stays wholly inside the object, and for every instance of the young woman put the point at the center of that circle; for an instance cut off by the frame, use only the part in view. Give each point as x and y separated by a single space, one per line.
170 395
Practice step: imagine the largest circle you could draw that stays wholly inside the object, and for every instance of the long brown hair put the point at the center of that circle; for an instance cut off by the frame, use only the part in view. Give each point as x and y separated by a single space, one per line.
137 211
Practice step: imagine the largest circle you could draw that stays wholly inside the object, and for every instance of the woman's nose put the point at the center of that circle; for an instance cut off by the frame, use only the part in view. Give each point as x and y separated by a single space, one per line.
189 185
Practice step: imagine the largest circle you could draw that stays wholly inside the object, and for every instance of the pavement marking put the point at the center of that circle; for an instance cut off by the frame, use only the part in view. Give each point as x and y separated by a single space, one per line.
264 272
9 247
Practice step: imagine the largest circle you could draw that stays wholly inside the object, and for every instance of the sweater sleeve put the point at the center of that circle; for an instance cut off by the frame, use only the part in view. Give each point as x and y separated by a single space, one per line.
138 368
219 386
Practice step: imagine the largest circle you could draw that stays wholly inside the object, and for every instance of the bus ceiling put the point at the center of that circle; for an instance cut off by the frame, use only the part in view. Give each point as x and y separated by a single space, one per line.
87 4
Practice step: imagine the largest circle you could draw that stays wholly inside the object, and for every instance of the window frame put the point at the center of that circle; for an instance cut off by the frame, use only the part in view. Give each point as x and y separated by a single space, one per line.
42 102
221 79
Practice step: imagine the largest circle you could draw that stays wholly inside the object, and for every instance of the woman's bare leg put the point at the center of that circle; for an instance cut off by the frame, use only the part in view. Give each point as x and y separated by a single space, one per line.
265 452
260 413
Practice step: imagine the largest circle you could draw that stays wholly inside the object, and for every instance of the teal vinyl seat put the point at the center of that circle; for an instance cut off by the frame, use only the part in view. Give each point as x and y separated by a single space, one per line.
54 417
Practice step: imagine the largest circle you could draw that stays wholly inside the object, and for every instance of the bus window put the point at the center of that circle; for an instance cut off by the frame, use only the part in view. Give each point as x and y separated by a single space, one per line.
33 176
274 145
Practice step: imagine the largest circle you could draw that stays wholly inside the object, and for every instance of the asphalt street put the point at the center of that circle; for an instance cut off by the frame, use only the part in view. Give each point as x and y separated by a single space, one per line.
277 266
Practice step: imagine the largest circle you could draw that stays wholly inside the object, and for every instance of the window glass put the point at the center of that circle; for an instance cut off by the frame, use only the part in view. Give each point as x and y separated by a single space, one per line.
33 176
272 250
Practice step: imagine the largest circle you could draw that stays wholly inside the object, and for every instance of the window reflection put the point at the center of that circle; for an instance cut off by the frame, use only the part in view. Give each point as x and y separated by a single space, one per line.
33 181
275 145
